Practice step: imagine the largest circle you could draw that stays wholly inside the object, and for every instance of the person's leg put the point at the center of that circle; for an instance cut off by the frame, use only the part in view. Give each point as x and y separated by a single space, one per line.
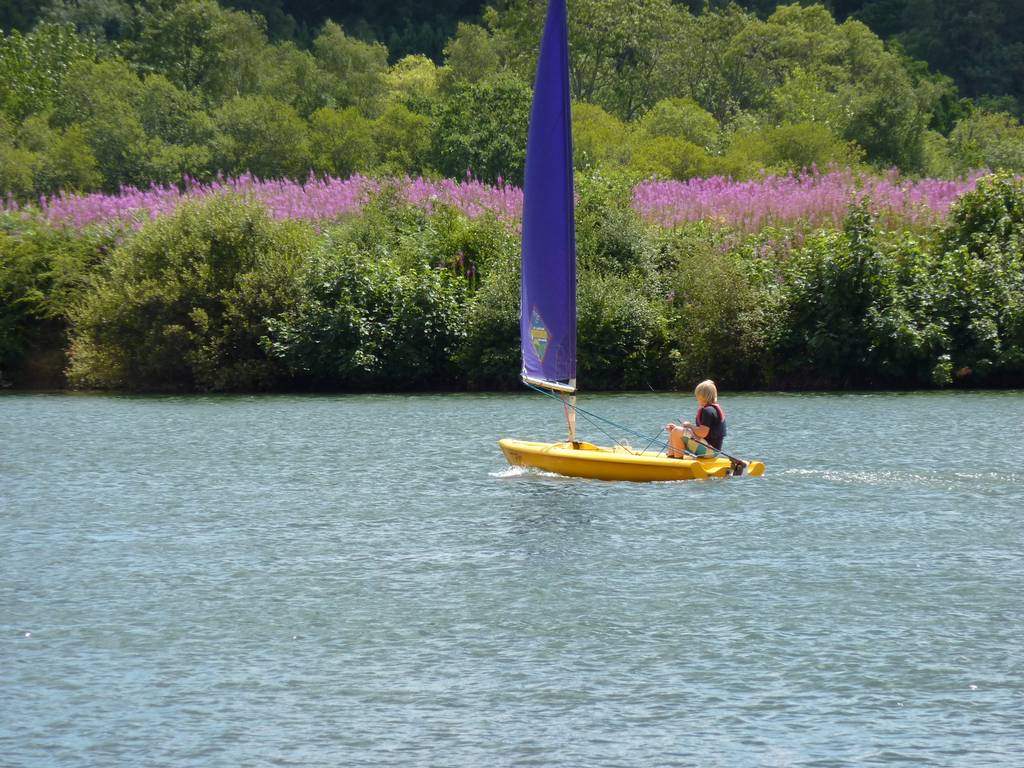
675 444
680 442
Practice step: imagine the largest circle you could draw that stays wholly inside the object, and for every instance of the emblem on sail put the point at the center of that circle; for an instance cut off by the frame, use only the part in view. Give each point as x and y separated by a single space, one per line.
539 335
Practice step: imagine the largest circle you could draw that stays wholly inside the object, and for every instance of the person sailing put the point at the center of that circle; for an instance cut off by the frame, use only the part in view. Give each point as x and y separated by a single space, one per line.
708 426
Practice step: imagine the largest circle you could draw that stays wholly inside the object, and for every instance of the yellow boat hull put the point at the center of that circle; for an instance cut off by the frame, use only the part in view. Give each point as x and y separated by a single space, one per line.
616 463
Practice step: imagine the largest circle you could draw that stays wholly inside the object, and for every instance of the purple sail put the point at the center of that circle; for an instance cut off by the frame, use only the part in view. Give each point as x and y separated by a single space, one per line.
548 302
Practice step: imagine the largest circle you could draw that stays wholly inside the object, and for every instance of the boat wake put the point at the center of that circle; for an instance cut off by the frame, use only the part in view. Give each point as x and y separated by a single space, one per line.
905 477
513 472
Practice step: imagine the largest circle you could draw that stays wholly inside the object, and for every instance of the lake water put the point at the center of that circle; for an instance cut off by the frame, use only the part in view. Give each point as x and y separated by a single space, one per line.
362 581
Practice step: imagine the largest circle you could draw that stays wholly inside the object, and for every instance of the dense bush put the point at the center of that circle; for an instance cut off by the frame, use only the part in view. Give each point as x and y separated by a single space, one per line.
43 273
390 304
369 322
598 139
978 282
440 235
833 281
789 148
184 303
870 307
725 316
610 237
490 353
623 333
669 157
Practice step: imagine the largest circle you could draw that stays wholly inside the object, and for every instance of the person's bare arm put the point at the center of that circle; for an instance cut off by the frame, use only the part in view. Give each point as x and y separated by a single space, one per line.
700 432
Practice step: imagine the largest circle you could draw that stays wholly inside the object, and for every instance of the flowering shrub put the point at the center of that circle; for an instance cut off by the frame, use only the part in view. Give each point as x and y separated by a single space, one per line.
318 199
814 199
811 199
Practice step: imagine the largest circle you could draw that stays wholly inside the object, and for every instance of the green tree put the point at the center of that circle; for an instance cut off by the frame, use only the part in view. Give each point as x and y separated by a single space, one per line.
358 68
481 129
33 67
978 43
18 15
800 66
89 88
284 21
199 45
681 119
700 63
140 131
16 170
172 114
263 136
103 98
846 61
341 142
294 77
986 140
165 163
63 159
886 120
937 94
804 97
402 138
100 19
937 156
616 48
470 56
598 138
413 82
119 143
761 53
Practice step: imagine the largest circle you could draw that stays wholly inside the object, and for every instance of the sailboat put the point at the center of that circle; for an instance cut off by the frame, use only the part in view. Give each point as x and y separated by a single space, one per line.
548 302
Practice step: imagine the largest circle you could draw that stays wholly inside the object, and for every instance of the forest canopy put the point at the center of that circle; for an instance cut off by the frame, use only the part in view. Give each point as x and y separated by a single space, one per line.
98 94
979 45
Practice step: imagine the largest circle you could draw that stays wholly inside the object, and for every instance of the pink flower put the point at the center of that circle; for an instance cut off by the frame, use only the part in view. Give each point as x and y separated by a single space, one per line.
807 200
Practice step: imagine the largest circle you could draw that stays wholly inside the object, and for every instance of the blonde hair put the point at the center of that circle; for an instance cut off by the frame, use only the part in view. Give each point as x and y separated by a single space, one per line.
706 391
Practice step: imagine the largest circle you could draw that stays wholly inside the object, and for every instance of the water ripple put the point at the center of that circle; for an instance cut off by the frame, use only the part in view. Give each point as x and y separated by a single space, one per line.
231 581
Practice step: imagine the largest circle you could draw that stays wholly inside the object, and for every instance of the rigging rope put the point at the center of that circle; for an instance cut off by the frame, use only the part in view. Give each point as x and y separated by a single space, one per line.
591 416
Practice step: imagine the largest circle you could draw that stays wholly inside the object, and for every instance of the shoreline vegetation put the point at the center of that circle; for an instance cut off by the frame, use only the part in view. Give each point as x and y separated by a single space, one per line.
195 199
815 281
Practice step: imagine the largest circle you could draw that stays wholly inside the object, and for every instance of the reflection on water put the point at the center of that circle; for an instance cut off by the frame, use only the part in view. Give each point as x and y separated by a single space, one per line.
227 581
